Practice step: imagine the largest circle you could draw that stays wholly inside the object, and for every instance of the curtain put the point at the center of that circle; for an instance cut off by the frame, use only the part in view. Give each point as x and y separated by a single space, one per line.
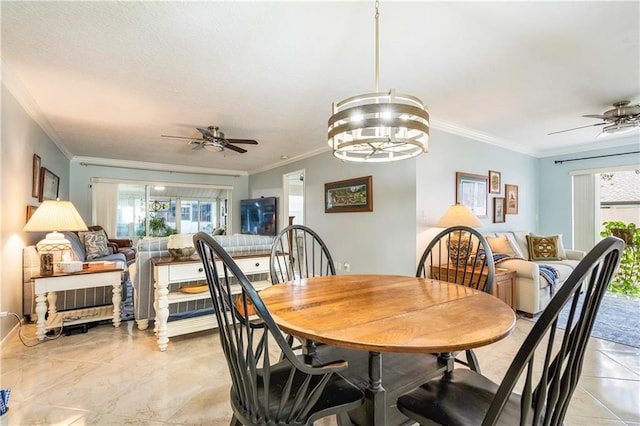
104 206
586 211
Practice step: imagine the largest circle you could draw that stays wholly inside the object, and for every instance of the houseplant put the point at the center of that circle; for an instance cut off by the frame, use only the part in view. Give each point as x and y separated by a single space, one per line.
627 277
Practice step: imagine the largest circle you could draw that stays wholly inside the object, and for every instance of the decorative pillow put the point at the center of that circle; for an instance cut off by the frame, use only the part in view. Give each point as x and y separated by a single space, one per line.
542 247
500 245
95 244
562 254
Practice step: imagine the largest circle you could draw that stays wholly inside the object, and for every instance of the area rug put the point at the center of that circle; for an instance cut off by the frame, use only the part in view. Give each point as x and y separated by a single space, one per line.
618 320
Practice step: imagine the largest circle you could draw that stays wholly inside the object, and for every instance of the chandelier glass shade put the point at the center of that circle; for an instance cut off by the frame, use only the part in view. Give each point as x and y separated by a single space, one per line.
379 126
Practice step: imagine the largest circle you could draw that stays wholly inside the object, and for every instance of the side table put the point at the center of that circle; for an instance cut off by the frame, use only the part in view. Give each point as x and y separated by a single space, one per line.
96 275
503 286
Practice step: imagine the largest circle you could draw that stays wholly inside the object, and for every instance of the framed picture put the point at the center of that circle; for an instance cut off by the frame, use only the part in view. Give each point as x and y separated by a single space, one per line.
351 195
471 191
35 181
49 185
498 210
494 182
30 211
511 195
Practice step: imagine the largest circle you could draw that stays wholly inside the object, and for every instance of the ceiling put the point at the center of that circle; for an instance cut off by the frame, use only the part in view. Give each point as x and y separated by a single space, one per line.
106 79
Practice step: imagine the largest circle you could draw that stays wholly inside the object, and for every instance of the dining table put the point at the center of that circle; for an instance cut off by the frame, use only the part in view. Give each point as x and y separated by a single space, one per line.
415 324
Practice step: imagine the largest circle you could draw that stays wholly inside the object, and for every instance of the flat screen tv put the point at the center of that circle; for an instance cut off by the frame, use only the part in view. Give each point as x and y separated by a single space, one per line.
258 216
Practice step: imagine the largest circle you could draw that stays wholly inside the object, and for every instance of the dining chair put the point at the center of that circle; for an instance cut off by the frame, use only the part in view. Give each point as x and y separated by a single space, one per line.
265 392
461 255
546 368
299 252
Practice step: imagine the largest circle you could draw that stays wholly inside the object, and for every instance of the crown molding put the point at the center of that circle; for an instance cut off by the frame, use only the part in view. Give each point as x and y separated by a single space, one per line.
161 167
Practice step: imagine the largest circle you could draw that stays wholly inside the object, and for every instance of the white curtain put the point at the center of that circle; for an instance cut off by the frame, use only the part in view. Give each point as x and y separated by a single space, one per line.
104 206
586 211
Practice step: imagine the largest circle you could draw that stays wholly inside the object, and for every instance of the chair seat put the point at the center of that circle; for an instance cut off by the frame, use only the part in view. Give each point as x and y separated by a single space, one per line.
461 397
339 394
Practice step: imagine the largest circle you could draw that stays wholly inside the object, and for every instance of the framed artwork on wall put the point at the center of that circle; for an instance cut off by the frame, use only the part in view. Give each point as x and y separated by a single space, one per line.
351 195
494 182
49 185
498 210
471 191
511 195
35 180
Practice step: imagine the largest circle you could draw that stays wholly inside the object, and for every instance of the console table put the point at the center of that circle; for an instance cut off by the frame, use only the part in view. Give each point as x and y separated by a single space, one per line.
169 270
97 274
503 285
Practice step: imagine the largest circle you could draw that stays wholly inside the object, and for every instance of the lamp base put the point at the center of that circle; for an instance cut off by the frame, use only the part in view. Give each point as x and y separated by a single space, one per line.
459 251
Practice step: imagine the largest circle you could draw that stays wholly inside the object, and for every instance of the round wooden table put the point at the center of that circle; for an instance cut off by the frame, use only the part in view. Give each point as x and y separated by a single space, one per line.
388 313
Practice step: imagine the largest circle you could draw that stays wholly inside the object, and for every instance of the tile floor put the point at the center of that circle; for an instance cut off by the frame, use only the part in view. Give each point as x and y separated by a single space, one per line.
119 377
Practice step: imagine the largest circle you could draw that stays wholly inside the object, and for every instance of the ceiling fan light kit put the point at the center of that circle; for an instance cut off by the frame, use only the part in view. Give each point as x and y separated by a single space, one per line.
378 127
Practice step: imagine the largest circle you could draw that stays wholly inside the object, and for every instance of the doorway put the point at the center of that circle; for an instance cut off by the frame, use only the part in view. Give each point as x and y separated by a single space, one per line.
293 199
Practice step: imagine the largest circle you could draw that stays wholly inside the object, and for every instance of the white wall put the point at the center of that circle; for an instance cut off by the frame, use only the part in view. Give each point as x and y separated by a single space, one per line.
381 241
21 138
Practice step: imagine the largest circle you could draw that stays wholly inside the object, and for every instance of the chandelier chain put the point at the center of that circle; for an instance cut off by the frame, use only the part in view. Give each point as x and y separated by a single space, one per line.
377 70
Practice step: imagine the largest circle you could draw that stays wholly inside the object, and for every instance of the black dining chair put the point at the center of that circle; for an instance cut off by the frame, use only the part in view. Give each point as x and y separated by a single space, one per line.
266 391
460 255
299 252
546 368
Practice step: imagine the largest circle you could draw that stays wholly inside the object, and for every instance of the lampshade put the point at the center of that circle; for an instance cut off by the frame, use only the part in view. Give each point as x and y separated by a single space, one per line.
458 215
55 216
377 127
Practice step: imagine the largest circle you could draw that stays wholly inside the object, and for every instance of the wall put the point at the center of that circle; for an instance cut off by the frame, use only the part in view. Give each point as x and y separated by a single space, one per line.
80 187
556 209
436 176
381 241
409 197
21 138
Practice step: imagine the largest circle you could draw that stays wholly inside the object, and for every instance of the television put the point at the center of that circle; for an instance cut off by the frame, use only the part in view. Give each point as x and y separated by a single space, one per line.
258 216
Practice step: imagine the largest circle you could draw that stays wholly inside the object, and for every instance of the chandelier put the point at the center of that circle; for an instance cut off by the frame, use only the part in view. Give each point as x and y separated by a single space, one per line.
380 126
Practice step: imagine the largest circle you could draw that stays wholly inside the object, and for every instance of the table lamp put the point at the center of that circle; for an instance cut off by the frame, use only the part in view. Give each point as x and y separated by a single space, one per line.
54 216
459 248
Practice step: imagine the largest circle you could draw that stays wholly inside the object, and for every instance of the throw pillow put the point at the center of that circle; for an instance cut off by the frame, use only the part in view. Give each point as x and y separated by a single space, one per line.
542 247
95 244
500 245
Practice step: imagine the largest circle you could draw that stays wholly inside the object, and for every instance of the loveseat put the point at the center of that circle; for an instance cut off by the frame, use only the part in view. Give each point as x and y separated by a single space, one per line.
535 283
155 247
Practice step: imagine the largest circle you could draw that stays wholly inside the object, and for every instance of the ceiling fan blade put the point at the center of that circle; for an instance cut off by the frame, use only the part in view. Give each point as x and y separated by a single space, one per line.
235 148
178 137
576 128
197 146
600 116
249 141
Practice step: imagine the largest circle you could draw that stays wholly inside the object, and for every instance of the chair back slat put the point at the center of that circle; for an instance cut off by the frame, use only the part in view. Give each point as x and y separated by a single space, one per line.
548 390
462 255
284 391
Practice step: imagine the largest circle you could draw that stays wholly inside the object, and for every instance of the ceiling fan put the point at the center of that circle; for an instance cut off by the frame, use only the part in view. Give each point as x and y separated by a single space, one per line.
213 140
620 119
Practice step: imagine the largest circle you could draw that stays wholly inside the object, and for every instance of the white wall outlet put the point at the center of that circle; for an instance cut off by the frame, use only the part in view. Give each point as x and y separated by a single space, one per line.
347 267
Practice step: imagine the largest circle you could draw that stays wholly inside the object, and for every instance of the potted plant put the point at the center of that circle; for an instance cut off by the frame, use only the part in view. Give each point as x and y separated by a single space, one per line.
627 277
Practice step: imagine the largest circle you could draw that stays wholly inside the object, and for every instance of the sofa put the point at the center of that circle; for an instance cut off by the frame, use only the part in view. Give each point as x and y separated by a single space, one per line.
149 248
541 262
